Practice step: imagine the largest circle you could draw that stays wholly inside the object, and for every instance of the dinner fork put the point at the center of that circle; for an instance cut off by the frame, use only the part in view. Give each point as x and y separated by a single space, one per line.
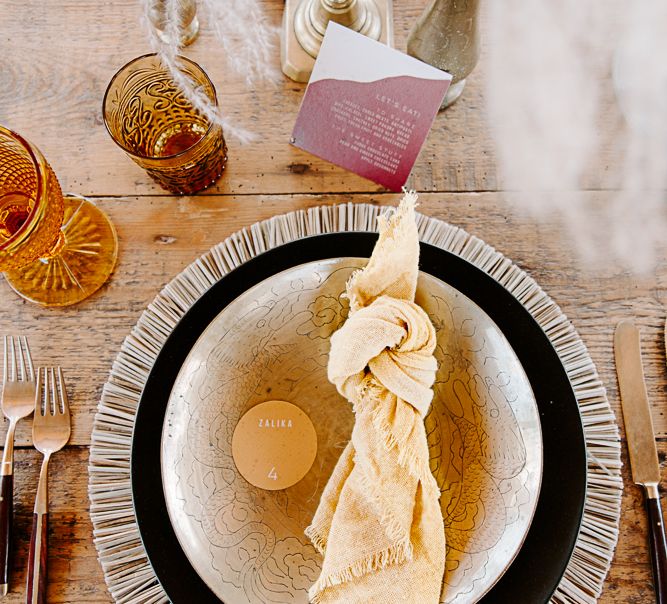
18 399
50 433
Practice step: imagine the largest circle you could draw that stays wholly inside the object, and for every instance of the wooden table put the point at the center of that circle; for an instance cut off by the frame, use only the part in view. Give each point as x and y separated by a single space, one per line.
57 58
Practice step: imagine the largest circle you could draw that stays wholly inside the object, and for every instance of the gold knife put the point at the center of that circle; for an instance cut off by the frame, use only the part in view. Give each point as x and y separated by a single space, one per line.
641 443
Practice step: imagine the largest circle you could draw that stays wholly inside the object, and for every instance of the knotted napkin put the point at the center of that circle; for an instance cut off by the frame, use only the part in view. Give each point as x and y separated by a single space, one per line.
379 524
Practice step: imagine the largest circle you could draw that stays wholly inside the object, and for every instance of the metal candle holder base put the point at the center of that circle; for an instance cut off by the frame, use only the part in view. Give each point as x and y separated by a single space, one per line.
305 21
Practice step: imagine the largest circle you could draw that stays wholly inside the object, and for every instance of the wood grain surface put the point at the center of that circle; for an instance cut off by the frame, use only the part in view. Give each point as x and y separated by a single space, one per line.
69 50
57 58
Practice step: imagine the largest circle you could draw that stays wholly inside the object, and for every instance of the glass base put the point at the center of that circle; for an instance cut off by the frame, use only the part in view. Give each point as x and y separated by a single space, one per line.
187 36
81 263
453 93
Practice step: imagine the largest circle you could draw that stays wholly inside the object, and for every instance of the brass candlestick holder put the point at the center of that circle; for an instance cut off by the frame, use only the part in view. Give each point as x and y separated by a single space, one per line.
305 22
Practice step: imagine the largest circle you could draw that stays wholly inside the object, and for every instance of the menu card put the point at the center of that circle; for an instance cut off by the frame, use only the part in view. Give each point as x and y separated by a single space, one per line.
368 107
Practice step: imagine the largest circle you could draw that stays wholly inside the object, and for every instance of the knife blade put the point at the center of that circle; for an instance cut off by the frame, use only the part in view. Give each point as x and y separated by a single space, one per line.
636 411
641 443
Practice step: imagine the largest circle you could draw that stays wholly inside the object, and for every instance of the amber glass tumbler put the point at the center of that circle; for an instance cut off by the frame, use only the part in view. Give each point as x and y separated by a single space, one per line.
54 249
148 116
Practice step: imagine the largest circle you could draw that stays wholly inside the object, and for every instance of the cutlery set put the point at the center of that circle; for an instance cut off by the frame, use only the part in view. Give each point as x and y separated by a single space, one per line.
25 391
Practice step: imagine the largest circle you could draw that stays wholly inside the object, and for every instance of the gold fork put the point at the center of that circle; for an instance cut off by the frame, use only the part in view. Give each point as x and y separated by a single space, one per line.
18 398
50 433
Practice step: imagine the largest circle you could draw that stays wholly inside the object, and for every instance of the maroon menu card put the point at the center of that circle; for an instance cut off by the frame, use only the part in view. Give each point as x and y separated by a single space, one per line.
368 107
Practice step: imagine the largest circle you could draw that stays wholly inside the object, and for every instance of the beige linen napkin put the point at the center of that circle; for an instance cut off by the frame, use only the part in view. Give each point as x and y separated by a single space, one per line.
379 524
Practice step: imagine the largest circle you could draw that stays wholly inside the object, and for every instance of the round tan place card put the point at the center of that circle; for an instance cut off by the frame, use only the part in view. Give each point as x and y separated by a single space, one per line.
274 445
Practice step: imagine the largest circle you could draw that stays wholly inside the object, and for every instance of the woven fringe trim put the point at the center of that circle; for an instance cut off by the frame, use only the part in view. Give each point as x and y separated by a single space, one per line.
408 457
128 572
396 554
317 537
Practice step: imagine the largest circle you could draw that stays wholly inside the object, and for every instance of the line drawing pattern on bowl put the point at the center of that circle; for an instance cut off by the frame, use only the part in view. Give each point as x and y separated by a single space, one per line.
272 342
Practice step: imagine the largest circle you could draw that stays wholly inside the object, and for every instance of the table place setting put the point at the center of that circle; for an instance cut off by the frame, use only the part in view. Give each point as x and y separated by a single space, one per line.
301 369
257 300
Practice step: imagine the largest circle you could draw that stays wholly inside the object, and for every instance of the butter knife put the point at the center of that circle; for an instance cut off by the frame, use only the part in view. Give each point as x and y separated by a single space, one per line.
641 443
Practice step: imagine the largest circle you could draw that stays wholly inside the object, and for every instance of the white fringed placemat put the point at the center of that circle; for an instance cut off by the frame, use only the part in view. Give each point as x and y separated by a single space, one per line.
128 572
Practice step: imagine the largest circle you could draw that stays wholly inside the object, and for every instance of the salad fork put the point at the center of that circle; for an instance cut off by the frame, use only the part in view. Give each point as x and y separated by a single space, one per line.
50 433
18 397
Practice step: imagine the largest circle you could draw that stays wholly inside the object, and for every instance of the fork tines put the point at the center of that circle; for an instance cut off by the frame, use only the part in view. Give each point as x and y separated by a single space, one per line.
51 398
16 360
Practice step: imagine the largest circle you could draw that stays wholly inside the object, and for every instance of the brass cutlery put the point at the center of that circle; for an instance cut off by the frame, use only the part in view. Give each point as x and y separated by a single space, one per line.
50 433
641 443
18 399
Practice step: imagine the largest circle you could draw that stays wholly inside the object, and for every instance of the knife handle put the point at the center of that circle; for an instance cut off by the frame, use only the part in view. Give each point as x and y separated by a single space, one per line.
6 514
656 532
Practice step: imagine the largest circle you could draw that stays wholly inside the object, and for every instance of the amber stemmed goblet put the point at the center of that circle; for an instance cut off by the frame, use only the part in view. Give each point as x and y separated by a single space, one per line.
55 250
148 116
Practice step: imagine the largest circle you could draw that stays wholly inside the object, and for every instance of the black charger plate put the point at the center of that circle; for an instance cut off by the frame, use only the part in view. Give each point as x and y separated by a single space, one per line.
541 562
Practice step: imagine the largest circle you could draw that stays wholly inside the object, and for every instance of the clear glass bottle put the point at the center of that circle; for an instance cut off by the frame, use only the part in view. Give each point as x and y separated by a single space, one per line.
188 26
446 36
